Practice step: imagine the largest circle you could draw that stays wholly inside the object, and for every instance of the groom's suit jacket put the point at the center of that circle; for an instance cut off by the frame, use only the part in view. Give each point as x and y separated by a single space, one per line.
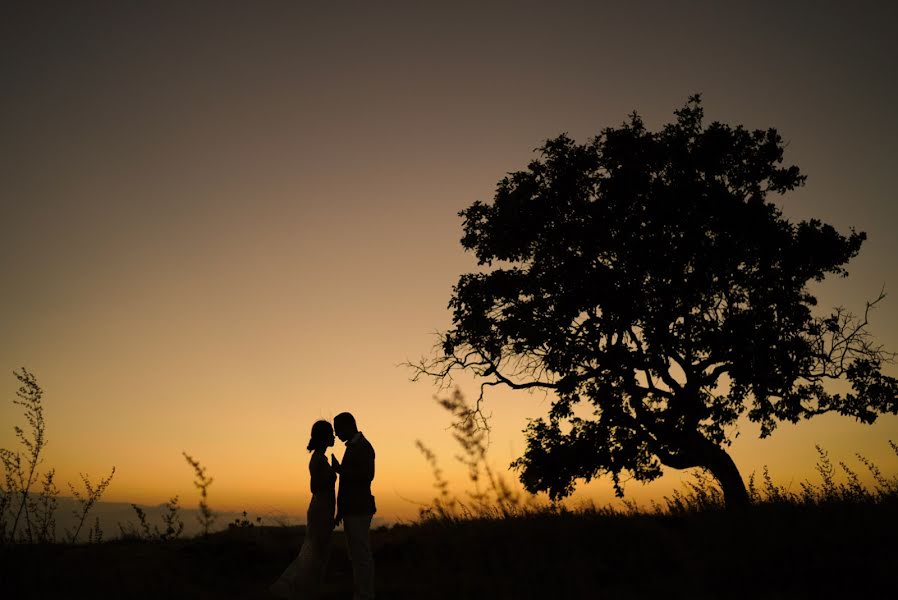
356 474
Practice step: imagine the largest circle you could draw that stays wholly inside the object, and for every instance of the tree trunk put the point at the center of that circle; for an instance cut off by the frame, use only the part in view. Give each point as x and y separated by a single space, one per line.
724 470
702 453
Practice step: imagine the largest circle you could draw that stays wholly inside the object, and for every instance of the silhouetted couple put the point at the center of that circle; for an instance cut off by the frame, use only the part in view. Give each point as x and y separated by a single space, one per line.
354 505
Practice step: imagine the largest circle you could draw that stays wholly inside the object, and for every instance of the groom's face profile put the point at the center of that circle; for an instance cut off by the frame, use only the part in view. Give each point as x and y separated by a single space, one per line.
341 433
344 429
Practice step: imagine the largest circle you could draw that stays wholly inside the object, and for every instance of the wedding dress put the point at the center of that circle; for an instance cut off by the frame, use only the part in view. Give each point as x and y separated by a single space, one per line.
303 576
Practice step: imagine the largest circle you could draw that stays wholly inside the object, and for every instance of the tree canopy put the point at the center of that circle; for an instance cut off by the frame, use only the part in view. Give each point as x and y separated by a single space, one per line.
646 276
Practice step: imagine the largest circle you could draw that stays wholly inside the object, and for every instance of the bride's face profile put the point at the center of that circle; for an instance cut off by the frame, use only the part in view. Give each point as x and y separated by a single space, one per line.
322 437
326 441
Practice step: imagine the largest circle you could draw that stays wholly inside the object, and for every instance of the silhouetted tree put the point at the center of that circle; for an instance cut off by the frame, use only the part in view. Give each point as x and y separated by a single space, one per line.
646 276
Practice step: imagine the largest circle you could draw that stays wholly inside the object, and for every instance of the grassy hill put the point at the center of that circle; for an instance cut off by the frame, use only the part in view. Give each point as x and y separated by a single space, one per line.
835 550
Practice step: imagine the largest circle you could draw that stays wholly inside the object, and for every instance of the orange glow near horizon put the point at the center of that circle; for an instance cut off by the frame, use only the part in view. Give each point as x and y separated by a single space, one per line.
216 229
261 466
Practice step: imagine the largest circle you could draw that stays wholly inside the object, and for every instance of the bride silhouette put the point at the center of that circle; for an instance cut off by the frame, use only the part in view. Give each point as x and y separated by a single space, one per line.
303 576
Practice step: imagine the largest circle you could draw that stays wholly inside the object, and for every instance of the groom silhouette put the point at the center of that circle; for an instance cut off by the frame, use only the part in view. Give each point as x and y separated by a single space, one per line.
355 504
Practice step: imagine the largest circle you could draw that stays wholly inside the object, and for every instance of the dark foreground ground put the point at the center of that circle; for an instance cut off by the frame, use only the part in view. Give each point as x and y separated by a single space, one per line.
767 552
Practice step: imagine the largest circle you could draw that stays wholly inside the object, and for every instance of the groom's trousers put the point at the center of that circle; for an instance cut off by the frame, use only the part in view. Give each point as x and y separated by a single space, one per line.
356 528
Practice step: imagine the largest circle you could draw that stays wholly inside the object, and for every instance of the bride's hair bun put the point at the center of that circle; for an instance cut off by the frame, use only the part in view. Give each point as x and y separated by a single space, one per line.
321 431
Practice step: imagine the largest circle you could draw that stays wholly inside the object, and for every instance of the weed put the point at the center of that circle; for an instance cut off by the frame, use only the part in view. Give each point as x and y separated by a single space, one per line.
20 470
492 495
207 516
95 533
173 526
825 469
444 505
142 521
87 501
244 522
43 508
18 504
884 485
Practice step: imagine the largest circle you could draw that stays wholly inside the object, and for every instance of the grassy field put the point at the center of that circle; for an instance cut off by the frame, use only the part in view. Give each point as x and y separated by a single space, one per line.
830 539
839 550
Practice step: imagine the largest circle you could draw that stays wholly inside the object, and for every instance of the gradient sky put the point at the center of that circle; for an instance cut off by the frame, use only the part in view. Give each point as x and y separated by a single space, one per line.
221 222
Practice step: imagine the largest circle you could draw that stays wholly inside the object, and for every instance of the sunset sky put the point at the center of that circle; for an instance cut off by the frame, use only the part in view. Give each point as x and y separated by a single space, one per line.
222 221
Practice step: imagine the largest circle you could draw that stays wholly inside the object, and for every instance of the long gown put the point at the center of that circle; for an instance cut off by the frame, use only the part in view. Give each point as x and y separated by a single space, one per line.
302 578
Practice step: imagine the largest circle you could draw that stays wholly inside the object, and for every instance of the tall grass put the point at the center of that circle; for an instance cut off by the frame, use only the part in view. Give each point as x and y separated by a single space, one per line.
490 494
496 498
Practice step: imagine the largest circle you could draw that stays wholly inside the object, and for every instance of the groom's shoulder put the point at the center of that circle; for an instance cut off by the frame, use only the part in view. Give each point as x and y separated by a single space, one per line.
366 444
